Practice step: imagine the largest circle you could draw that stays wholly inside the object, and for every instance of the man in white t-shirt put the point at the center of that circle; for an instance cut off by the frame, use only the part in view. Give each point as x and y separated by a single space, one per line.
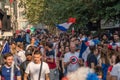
71 59
33 68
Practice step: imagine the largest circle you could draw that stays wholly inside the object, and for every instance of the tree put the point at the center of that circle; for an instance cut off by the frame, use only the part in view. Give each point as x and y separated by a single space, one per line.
33 9
52 12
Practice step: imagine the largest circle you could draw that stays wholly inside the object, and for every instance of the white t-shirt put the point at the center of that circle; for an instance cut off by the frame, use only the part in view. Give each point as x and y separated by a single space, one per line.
116 71
42 49
55 47
22 56
74 65
33 69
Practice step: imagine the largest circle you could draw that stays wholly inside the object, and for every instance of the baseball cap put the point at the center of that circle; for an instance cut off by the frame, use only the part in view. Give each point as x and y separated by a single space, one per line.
28 52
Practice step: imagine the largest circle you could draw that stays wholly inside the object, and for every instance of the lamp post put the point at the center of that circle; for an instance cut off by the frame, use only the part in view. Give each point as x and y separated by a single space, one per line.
15 14
2 8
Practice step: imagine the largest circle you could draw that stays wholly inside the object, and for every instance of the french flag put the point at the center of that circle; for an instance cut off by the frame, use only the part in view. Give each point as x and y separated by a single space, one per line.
85 48
85 39
6 48
84 51
65 26
113 45
92 42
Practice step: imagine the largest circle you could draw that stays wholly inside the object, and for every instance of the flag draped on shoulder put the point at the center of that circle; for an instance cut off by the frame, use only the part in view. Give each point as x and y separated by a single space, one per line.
84 51
85 47
6 48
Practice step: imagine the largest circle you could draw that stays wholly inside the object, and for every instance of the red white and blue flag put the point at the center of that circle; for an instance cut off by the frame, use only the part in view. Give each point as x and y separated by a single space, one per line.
65 26
85 48
114 45
84 51
6 48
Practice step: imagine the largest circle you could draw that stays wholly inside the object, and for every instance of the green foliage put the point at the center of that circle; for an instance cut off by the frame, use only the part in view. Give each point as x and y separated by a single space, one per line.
33 9
52 12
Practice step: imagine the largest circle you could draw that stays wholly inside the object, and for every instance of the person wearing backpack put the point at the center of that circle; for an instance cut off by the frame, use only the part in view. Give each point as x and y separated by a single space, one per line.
23 66
9 71
37 69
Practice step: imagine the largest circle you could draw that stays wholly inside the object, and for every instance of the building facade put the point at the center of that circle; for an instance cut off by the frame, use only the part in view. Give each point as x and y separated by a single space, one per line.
22 20
18 19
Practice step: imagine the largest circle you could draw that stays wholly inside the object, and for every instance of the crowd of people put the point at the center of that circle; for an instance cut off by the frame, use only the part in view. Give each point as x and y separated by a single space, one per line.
47 56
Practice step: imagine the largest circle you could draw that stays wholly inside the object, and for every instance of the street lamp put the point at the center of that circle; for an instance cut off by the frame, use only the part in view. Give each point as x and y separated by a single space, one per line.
15 14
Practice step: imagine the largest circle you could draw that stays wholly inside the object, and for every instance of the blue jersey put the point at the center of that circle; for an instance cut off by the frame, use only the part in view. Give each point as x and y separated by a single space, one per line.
6 73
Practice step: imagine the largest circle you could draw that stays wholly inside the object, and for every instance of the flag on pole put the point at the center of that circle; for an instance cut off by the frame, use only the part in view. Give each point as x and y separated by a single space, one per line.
73 31
6 48
72 20
64 26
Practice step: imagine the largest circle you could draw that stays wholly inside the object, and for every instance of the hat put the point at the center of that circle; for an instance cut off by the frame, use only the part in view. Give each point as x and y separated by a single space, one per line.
28 52
28 31
17 31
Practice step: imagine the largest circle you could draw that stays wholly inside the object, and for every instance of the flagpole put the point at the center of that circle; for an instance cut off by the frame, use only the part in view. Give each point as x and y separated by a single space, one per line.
1 62
10 9
3 47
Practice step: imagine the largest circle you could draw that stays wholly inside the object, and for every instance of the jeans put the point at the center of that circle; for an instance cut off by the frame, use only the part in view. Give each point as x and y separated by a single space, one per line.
54 74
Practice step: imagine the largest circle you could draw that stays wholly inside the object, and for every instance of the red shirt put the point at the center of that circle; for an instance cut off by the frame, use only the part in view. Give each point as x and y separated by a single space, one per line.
51 54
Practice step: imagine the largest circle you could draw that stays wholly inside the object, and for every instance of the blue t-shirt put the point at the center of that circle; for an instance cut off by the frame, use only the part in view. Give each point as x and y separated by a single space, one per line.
91 59
105 69
6 73
27 38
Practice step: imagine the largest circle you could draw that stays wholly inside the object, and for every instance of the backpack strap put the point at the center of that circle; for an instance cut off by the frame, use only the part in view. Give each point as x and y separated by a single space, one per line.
40 70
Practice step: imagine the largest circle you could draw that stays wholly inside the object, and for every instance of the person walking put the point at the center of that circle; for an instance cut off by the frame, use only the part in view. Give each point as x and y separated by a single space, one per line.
37 69
71 59
9 71
50 59
23 66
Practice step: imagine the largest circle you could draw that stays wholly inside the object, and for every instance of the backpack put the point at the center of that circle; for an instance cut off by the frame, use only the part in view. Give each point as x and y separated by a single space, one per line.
24 38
